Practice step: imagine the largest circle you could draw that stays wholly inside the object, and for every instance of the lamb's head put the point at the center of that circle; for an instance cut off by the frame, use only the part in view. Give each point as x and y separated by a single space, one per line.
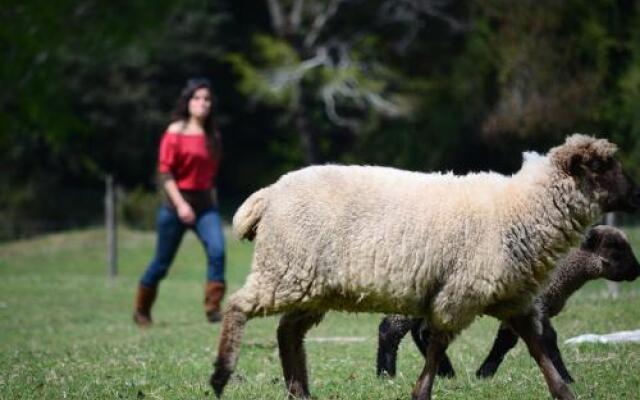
616 259
591 163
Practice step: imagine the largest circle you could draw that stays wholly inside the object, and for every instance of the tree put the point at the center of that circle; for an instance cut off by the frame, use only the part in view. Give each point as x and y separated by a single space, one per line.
310 58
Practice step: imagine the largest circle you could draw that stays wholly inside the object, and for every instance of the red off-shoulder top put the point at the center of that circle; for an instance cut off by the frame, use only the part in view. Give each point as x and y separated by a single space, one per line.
188 160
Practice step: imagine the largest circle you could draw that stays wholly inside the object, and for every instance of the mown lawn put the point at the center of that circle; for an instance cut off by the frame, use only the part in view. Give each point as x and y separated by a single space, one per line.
66 332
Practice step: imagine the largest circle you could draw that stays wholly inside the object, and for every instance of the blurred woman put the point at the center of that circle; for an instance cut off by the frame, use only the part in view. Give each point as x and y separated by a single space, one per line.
188 161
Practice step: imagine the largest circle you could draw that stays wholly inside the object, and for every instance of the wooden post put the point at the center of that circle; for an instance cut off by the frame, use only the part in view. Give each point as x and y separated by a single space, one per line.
111 227
613 287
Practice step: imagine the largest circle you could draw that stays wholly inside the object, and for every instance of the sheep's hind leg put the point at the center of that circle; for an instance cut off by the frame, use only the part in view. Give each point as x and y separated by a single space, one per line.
436 351
525 327
293 326
505 340
390 332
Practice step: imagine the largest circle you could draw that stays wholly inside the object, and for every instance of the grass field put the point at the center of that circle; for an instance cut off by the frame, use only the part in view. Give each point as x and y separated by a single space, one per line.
66 332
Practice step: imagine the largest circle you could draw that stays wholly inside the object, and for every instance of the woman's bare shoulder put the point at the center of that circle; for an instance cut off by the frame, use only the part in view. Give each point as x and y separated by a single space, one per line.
176 127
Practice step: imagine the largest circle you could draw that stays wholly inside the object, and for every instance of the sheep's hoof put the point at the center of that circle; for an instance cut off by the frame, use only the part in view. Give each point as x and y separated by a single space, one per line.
385 374
567 378
297 391
446 373
486 370
219 380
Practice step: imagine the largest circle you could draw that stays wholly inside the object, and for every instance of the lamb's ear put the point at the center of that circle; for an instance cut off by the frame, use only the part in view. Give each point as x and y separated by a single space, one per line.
591 240
582 165
571 162
575 165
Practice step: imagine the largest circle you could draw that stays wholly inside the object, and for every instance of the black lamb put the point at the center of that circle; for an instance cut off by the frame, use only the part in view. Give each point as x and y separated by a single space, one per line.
604 253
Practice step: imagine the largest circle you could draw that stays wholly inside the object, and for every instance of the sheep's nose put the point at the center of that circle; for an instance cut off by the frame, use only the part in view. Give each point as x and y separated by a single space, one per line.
636 272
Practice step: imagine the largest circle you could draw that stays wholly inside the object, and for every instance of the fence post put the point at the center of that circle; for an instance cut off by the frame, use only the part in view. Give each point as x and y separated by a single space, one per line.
111 227
613 287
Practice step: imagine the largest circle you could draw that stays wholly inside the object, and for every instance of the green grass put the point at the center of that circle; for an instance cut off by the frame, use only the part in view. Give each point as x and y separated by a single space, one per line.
66 332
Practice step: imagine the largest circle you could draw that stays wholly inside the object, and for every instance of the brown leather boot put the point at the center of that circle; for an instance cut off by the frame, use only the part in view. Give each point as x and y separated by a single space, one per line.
142 308
213 294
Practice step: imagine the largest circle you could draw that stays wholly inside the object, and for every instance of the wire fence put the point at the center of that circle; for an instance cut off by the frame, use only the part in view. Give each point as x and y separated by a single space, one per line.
59 209
135 212
26 229
134 209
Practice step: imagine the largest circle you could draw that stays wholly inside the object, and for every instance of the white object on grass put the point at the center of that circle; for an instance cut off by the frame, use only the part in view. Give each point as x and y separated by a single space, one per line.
616 337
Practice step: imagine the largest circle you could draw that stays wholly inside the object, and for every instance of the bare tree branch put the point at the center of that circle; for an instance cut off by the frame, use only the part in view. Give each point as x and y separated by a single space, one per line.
394 12
408 13
434 9
296 15
352 90
320 21
328 97
279 78
349 87
277 17
381 105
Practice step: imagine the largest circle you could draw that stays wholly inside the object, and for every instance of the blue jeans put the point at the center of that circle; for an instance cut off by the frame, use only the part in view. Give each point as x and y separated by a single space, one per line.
208 228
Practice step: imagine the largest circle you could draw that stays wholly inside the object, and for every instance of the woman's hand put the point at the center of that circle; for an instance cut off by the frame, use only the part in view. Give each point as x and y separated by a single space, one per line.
185 213
184 210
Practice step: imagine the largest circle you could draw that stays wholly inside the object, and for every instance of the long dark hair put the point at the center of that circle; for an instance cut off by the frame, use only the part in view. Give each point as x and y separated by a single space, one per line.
181 113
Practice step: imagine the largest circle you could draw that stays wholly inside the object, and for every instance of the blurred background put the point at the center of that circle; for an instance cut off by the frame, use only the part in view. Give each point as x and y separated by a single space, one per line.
87 87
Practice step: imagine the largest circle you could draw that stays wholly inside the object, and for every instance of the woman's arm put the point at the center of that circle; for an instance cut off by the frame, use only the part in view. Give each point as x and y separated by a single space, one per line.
185 211
166 162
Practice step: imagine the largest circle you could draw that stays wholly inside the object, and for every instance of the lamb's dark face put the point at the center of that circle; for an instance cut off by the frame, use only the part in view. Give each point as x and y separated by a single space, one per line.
605 176
616 255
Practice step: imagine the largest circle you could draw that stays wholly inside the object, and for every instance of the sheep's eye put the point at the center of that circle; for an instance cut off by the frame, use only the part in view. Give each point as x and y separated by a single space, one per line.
596 165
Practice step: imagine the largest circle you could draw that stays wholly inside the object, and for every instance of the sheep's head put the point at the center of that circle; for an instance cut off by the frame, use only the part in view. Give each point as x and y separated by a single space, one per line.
617 261
591 163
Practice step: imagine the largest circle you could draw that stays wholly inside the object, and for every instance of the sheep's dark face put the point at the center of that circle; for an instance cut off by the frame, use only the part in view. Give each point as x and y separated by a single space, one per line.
616 255
604 176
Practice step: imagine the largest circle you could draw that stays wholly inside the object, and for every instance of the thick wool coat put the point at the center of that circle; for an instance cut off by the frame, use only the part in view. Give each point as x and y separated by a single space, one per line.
439 246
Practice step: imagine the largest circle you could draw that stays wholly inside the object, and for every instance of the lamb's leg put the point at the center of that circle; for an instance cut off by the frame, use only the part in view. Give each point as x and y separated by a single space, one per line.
445 369
293 326
505 340
551 342
390 332
525 327
435 353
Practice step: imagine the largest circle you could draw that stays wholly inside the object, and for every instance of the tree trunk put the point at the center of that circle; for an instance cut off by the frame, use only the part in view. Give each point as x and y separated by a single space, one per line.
306 132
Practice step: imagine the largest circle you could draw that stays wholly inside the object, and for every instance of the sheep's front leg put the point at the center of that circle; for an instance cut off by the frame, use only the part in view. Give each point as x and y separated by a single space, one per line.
550 338
525 327
390 332
435 353
505 340
233 324
293 326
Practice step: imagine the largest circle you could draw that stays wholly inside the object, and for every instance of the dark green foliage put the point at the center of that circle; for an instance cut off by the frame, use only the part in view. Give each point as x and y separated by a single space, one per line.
139 208
87 88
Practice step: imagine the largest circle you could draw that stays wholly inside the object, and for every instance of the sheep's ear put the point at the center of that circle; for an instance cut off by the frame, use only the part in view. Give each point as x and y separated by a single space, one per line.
600 164
591 240
575 165
580 165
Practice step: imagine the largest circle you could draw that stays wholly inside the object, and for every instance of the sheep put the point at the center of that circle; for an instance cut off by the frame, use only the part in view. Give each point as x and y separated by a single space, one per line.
605 252
438 246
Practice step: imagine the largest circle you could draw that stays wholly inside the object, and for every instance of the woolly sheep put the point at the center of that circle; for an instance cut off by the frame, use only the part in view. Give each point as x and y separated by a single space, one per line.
443 247
605 252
